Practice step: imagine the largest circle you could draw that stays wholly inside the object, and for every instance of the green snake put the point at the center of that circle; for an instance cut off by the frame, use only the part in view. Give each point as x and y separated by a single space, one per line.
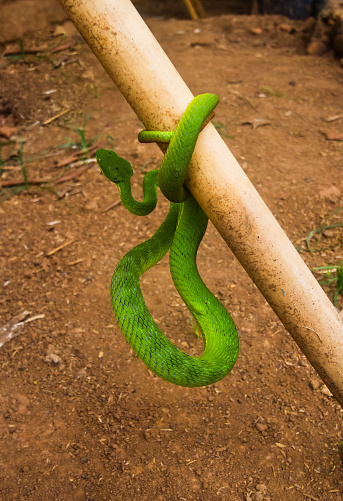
181 232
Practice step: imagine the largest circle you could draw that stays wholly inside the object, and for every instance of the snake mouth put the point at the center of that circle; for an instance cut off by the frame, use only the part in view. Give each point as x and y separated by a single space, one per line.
116 180
112 178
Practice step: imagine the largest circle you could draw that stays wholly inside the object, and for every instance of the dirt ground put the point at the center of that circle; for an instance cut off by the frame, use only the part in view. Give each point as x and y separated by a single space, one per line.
81 418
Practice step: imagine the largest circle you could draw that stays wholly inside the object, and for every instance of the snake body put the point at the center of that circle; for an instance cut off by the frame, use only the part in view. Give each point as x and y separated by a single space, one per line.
181 232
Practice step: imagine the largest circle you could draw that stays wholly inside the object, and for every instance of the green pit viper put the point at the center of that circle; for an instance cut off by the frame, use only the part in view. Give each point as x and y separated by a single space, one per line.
181 232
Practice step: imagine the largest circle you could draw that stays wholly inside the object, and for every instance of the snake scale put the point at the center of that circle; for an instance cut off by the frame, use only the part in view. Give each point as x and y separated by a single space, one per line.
181 233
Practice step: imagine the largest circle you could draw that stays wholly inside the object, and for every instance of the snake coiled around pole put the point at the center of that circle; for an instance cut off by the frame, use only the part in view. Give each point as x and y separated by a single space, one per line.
181 232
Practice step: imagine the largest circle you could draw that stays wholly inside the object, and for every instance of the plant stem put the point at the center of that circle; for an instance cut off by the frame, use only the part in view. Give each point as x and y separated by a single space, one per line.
22 166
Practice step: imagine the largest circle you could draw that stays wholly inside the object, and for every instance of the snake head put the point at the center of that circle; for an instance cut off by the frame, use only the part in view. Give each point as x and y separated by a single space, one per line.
115 168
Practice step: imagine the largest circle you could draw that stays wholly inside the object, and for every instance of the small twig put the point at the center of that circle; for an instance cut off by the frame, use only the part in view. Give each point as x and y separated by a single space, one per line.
10 167
34 318
76 155
68 177
19 182
72 193
56 116
53 251
77 261
14 52
64 46
112 206
58 48
83 162
49 155
74 174
310 496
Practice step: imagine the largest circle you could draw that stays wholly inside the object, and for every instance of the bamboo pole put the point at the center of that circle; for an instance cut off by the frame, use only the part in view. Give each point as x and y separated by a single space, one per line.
189 6
194 8
145 76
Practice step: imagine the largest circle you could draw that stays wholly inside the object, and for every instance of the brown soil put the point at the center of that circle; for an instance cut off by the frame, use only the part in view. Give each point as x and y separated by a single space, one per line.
81 417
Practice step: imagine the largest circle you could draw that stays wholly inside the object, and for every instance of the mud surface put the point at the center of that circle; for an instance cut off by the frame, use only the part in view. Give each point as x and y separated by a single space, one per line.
81 417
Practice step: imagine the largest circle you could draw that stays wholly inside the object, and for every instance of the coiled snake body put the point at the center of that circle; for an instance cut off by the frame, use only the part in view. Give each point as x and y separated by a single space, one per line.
181 232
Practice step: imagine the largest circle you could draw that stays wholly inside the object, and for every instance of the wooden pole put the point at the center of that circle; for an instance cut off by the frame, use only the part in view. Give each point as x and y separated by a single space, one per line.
143 73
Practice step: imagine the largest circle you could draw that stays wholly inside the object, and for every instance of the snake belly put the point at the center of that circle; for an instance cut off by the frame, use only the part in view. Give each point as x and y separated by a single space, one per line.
181 232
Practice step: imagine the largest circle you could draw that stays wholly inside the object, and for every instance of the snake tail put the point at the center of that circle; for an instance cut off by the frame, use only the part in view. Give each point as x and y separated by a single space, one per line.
145 337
